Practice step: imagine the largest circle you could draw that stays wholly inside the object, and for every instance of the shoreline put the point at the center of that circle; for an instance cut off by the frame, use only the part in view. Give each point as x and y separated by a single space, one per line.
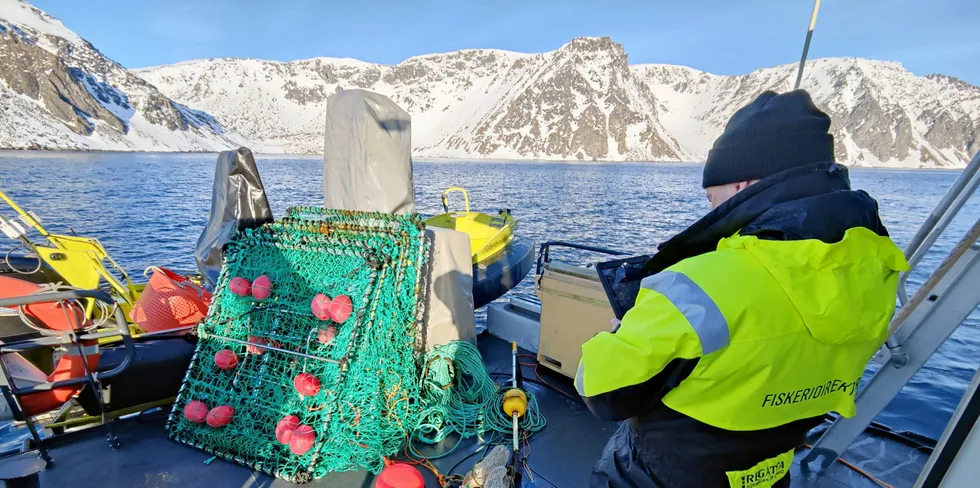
41 153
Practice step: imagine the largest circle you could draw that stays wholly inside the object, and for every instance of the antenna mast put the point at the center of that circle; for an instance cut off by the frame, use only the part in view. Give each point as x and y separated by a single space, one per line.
806 44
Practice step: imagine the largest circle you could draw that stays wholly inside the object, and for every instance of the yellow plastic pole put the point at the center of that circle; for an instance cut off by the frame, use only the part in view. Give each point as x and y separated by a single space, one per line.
25 216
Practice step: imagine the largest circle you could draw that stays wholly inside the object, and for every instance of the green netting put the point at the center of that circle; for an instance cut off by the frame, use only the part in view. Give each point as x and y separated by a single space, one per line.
368 403
374 396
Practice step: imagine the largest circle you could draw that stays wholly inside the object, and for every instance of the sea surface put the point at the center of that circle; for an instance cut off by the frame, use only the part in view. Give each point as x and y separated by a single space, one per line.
148 209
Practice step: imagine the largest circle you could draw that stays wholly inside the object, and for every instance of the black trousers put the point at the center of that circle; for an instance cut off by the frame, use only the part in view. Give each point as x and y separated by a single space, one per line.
624 463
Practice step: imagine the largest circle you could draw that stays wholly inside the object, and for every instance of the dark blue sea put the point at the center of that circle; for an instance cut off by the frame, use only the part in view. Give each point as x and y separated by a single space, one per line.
148 209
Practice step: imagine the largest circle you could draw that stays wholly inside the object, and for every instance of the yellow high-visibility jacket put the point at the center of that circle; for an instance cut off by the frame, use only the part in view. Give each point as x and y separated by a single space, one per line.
782 330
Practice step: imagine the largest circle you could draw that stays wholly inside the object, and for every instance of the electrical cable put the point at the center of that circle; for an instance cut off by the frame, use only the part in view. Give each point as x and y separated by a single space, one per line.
14 269
102 316
858 470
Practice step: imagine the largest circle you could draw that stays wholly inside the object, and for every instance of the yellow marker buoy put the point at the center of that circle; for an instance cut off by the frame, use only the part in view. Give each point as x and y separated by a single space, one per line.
515 402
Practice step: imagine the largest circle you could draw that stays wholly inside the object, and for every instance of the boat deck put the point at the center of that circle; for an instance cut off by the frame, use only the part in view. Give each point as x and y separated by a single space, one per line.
561 455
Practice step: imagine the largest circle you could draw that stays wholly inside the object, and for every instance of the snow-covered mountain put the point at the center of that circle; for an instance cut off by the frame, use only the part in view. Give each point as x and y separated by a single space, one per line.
583 101
580 102
58 92
882 115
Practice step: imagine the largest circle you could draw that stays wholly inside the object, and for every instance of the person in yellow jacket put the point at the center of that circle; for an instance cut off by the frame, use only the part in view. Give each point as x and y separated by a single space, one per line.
755 321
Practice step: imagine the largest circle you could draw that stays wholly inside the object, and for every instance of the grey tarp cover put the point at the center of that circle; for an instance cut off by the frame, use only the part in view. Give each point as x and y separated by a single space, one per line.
367 165
450 300
238 202
367 154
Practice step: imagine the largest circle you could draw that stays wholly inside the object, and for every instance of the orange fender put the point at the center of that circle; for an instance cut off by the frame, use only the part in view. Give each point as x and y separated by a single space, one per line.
57 317
53 315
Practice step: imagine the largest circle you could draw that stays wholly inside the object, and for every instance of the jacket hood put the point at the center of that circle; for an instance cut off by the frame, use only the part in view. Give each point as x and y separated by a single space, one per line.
840 257
827 282
809 202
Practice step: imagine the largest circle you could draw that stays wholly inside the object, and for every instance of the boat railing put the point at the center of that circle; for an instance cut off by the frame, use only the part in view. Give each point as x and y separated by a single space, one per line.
935 224
925 320
544 252
12 392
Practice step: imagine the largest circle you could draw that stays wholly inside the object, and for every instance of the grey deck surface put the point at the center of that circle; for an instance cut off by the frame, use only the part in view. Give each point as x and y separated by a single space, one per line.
561 455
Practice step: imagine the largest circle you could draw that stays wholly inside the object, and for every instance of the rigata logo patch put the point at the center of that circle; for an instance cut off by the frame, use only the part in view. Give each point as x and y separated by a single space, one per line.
811 393
765 475
762 475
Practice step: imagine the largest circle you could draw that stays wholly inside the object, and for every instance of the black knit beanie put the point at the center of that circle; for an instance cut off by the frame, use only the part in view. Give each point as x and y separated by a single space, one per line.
769 135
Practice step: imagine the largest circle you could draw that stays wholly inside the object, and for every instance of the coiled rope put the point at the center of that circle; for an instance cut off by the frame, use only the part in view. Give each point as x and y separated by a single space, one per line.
460 398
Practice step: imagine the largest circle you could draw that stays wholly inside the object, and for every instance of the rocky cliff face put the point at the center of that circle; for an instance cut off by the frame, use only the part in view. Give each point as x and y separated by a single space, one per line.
42 76
59 92
583 101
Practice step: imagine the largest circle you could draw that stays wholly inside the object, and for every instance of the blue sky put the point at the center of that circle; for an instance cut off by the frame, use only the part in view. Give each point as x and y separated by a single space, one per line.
720 36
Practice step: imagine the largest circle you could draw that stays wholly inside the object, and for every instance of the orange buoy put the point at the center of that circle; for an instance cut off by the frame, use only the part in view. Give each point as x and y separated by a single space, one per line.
261 287
258 351
196 411
306 384
301 440
220 416
321 306
400 475
285 428
225 359
326 336
340 308
240 286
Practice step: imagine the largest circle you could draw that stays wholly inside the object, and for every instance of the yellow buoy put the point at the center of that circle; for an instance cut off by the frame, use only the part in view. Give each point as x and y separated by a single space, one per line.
515 401
489 234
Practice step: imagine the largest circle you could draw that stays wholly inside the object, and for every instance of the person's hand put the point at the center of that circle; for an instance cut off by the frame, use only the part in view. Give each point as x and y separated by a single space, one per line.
614 324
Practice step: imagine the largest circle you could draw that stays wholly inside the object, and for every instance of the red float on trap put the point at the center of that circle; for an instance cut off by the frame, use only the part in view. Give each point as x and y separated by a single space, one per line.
220 416
225 359
240 286
301 440
340 308
258 351
326 336
306 384
285 428
321 306
400 475
261 287
196 411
